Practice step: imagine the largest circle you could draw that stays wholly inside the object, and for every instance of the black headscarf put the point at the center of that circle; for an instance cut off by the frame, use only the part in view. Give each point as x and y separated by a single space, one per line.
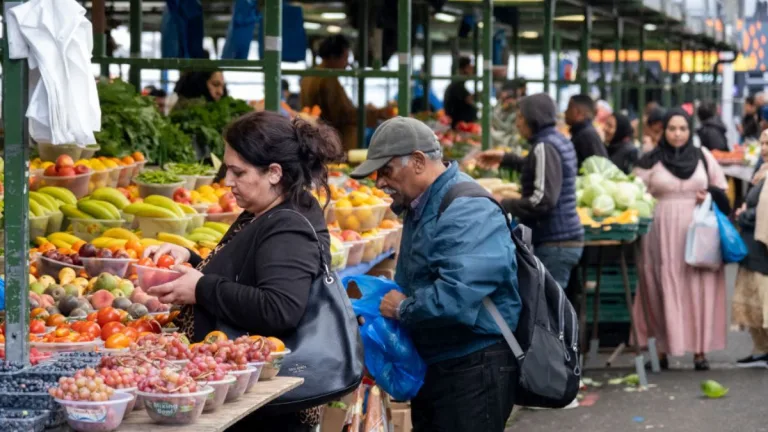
682 161
623 129
194 84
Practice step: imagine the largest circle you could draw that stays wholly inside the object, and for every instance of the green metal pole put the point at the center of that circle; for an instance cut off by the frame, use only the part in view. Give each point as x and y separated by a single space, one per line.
619 36
404 57
641 80
517 50
476 54
134 73
584 55
273 53
549 16
427 68
362 62
558 52
487 72
16 203
603 86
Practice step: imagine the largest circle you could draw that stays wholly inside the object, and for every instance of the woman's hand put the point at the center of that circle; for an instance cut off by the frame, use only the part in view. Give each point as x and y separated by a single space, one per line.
701 196
490 158
741 209
180 254
182 290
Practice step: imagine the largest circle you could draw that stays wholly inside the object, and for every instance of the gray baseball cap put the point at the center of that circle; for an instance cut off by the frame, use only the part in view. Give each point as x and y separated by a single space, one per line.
398 136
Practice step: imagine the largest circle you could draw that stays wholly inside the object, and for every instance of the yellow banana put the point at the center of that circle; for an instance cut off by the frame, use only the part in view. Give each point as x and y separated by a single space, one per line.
61 244
39 241
148 210
99 209
107 242
208 231
36 209
151 242
165 202
71 211
218 226
44 200
198 237
189 210
112 196
208 244
65 237
176 239
64 195
120 233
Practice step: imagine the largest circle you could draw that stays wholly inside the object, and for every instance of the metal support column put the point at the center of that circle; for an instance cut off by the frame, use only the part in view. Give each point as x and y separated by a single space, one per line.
549 17
427 68
516 45
273 54
680 84
666 94
584 55
619 36
15 96
641 81
558 48
694 82
404 57
487 72
134 73
362 63
99 19
476 55
602 85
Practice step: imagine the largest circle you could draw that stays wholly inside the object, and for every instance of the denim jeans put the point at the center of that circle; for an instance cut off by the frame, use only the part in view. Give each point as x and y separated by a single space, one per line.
474 393
559 261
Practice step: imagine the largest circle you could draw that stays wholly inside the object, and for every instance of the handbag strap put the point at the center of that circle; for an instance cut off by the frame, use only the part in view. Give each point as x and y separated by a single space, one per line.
323 263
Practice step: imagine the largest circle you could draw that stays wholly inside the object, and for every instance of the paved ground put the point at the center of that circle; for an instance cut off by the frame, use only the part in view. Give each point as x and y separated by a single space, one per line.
674 404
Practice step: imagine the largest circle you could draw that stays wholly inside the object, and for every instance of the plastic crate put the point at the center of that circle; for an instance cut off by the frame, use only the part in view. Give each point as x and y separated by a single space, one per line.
612 308
644 227
611 281
614 232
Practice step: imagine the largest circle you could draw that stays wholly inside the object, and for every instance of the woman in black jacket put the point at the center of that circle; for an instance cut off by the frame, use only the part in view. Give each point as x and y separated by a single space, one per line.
618 137
257 279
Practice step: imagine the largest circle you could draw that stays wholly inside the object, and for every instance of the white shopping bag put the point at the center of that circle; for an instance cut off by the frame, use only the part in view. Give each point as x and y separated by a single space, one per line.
702 244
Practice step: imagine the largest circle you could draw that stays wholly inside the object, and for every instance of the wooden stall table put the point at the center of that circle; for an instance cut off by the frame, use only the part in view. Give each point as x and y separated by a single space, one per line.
229 413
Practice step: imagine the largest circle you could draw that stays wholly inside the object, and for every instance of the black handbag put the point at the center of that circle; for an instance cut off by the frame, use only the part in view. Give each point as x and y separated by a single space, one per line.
326 349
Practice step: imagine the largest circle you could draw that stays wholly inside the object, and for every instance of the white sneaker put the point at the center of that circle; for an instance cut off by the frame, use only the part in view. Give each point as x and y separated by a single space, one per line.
574 404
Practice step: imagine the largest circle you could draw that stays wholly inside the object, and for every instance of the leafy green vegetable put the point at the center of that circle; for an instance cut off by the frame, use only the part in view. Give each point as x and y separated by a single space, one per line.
189 168
603 205
713 389
604 167
625 195
205 121
130 122
158 177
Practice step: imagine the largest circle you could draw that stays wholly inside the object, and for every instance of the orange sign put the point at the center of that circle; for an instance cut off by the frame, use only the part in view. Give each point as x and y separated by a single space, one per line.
703 61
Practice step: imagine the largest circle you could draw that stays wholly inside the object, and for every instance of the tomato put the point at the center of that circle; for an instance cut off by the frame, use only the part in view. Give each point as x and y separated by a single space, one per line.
2 338
131 333
61 332
215 336
106 315
117 341
92 317
91 329
39 313
111 328
146 262
55 320
37 326
166 262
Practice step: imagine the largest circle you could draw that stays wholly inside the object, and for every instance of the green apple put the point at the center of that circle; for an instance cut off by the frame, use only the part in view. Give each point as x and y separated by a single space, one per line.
37 288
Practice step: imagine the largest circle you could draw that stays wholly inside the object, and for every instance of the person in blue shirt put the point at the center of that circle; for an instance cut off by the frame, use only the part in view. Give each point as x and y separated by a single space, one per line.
448 266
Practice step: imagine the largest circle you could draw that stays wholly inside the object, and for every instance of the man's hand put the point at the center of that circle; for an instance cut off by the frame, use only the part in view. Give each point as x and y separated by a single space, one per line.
490 158
390 303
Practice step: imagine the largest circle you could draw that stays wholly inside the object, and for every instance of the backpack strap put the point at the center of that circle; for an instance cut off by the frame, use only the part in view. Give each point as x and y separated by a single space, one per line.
521 233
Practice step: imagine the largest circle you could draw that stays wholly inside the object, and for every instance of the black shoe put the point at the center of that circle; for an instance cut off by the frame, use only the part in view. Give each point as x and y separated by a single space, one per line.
753 361
663 364
701 365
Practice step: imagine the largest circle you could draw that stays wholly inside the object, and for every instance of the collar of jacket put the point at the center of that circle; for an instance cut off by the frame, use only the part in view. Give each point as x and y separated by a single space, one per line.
537 137
426 203
578 127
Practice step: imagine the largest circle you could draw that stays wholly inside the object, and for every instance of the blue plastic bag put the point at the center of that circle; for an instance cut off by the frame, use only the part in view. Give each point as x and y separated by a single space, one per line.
390 356
732 246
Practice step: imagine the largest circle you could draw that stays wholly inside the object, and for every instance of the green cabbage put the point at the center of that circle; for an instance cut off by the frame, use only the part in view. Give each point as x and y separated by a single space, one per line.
592 180
579 195
603 205
610 187
604 167
644 209
625 195
590 193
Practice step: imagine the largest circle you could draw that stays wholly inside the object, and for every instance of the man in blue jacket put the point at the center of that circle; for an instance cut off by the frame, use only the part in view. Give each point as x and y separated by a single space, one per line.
446 266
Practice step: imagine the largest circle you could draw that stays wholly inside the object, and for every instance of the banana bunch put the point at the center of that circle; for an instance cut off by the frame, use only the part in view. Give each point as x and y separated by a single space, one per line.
208 235
59 239
120 237
103 204
41 204
161 207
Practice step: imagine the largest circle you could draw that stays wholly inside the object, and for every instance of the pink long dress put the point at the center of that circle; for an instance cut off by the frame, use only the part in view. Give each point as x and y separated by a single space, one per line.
686 306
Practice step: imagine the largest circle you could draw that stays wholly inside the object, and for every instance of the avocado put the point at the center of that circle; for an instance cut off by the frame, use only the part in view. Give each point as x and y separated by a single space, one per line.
121 303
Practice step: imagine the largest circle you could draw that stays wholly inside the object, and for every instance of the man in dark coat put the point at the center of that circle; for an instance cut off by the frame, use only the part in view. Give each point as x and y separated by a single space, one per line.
586 140
712 130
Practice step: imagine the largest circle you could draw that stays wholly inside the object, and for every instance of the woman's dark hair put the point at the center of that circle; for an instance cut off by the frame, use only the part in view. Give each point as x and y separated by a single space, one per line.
299 147
333 47
194 85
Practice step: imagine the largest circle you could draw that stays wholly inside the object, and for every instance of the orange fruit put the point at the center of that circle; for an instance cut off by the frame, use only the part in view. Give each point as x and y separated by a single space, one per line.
128 160
117 341
388 224
137 156
39 313
55 320
279 345
215 336
46 247
134 245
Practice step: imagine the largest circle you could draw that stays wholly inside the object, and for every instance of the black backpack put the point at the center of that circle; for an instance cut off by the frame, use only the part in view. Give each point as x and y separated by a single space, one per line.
547 337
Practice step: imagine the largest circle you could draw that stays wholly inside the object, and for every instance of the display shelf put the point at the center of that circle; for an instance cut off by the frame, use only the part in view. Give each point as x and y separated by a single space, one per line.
364 268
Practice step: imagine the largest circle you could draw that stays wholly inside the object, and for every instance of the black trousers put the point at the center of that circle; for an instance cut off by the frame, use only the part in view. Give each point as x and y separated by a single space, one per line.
474 393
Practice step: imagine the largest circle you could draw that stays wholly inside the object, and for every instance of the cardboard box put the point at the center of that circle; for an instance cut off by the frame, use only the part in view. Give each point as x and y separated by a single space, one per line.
401 417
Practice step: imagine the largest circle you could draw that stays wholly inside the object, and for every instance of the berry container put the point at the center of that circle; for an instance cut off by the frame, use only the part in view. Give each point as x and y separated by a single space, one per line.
89 229
41 400
22 420
150 226
242 379
114 266
165 189
97 416
258 366
78 184
220 391
152 276
273 365
228 217
131 391
47 266
356 251
175 408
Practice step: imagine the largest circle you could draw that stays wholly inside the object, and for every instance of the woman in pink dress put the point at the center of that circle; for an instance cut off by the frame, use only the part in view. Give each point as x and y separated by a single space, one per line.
686 306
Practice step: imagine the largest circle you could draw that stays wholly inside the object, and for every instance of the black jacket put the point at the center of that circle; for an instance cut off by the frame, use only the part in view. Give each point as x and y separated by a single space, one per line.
456 106
259 282
624 155
587 142
712 134
757 256
750 127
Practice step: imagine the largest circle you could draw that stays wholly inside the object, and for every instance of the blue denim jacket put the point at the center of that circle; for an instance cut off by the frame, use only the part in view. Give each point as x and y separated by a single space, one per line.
447 267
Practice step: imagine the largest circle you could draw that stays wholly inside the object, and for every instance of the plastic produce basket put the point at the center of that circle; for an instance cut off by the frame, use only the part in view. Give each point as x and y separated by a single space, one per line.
49 152
612 309
339 259
89 229
175 408
131 391
258 366
374 248
242 379
204 180
55 220
125 175
38 225
356 250
613 232
150 227
196 221
137 168
363 218
22 420
114 176
103 416
189 181
66 346
115 266
644 227
78 184
228 217
20 400
99 179
47 266
89 151
219 395
166 190
151 276
273 365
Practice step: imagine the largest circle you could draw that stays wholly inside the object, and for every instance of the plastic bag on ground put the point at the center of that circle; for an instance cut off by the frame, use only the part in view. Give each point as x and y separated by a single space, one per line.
390 356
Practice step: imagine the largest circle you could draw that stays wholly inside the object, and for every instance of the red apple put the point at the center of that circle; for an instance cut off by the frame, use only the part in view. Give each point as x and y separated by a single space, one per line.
81 169
349 235
50 171
64 161
182 196
66 171
215 208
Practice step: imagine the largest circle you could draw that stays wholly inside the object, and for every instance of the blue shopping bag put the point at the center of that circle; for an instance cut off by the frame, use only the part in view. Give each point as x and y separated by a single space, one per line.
732 246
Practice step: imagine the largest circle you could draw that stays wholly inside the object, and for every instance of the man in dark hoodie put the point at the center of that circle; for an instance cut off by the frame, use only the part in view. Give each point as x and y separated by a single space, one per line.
712 130
548 179
586 140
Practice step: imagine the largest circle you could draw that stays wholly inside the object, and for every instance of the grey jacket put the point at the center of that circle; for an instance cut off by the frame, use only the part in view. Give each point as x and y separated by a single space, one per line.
757 256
